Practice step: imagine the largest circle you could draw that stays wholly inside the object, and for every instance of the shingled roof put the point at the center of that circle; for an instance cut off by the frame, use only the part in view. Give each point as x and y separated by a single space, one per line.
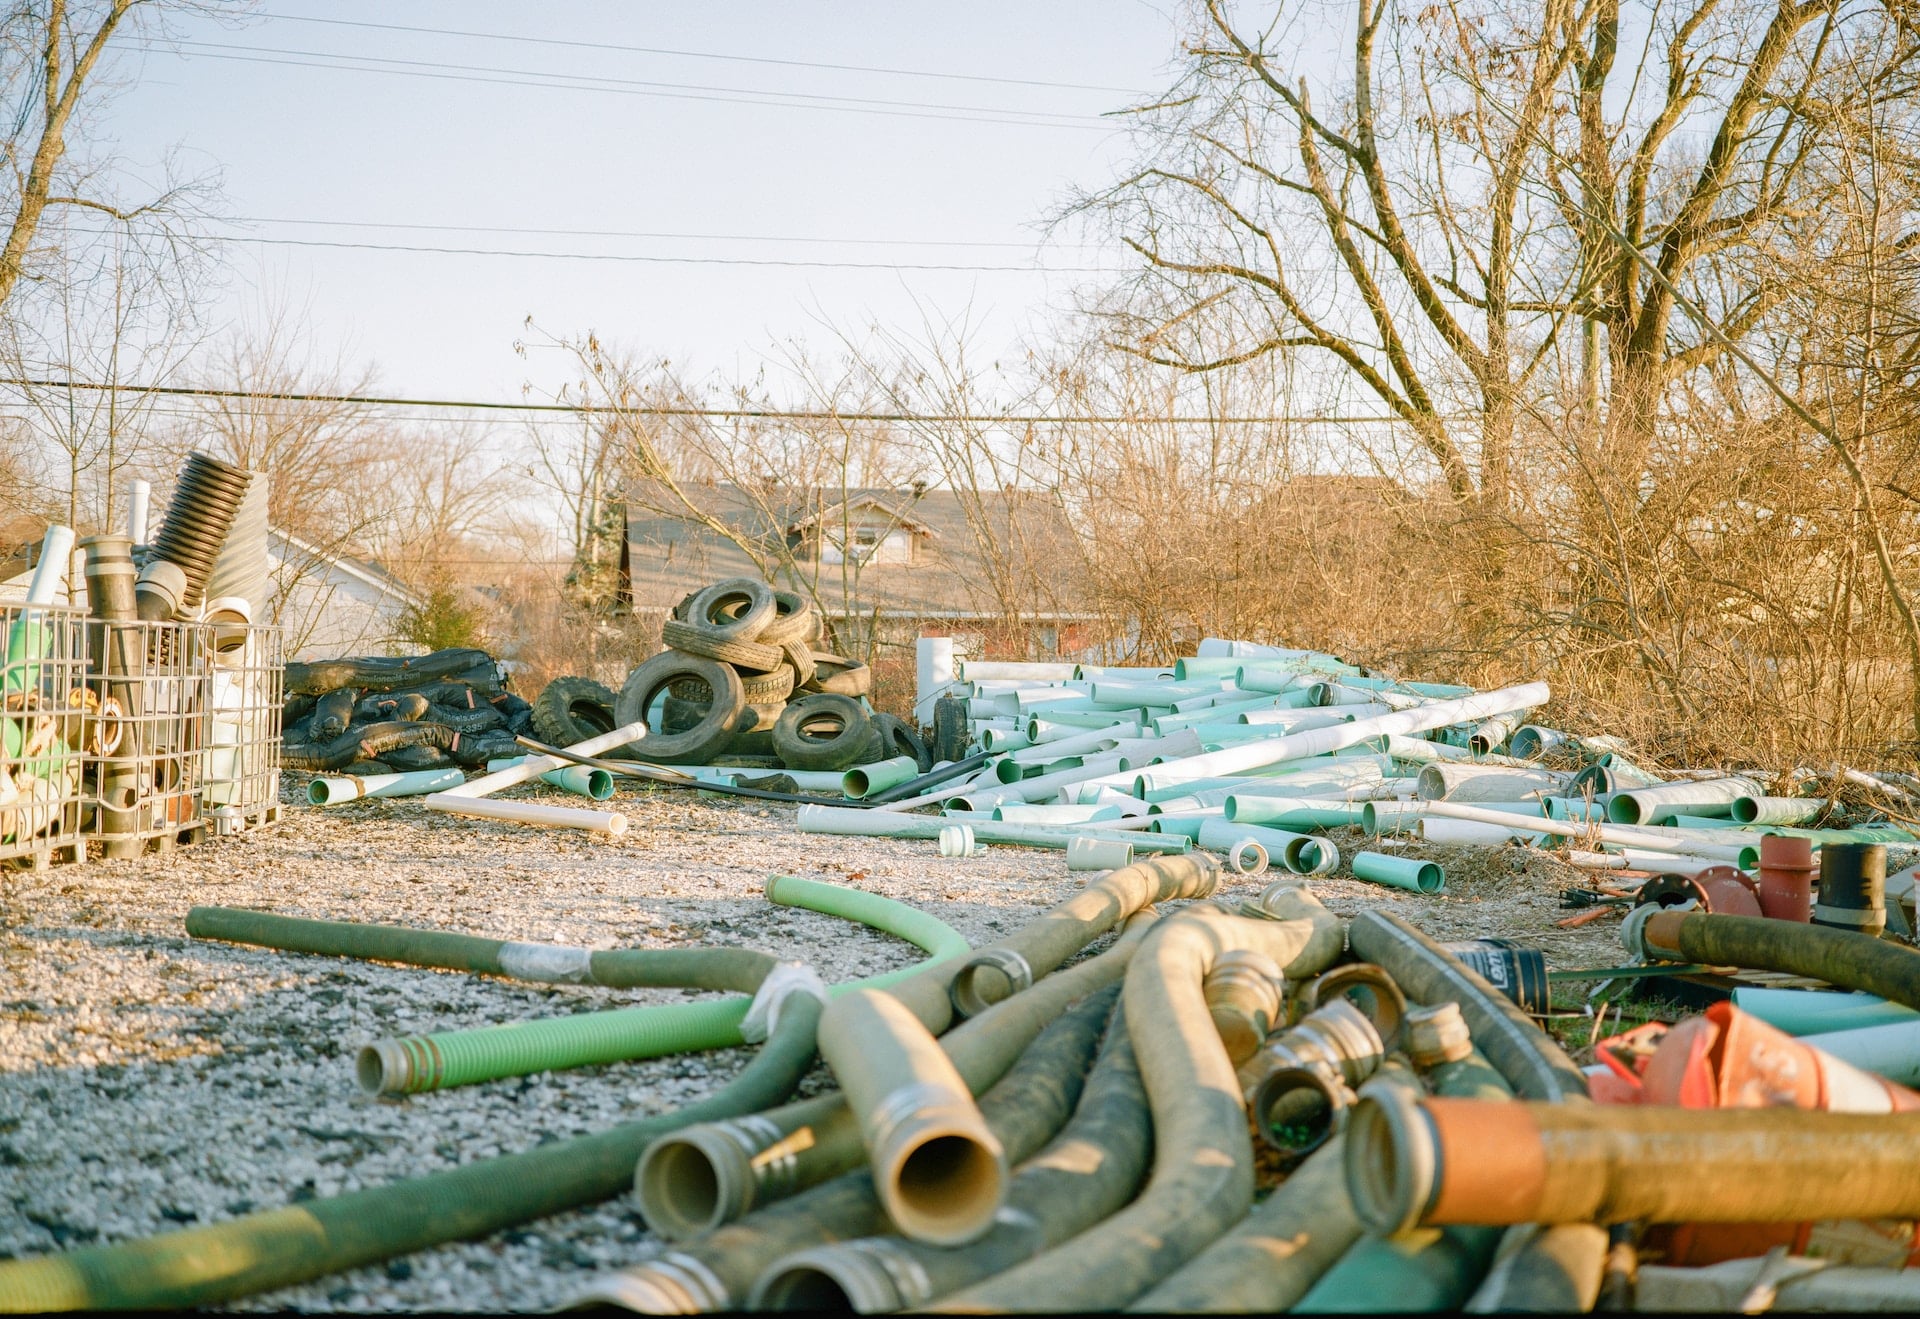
1020 535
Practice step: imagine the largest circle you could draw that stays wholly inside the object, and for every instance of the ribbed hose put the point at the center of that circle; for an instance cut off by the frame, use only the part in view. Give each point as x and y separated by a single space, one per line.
280 1247
1270 1259
242 566
1203 1165
1460 1160
1840 957
383 674
1561 1265
703 1177
368 742
417 1063
1091 1169
1415 1272
1023 1110
199 516
1005 968
480 719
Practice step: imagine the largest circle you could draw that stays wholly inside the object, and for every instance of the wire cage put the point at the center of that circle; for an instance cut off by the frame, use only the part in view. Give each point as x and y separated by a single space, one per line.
48 719
154 684
241 785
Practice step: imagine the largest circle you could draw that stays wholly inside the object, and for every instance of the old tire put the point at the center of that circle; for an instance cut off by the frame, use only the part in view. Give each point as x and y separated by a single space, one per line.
951 737
692 638
839 676
822 731
705 739
738 609
793 620
902 739
768 688
570 710
799 658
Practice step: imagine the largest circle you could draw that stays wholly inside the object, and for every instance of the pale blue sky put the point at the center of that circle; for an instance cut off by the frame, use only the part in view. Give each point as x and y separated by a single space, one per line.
469 146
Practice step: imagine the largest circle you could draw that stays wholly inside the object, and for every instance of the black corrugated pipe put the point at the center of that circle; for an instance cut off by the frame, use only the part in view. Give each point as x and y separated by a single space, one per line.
181 556
367 742
1089 1171
1023 1110
385 674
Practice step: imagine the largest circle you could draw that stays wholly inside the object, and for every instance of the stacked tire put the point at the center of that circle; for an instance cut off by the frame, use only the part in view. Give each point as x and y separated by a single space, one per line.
739 672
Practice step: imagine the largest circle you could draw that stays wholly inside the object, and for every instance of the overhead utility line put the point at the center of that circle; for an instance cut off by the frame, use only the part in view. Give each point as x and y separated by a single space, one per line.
700 54
647 410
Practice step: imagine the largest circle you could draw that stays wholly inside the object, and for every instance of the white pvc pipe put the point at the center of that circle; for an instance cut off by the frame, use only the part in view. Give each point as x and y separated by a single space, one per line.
1098 854
1448 781
50 573
333 789
1021 812
1473 831
1652 805
1890 1051
139 499
1612 833
1318 741
1045 672
1083 739
933 674
611 823
1043 787
534 766
1666 863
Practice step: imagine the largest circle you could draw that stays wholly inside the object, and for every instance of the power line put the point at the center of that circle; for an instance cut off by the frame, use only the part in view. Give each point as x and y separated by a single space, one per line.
720 414
701 54
634 87
635 233
635 258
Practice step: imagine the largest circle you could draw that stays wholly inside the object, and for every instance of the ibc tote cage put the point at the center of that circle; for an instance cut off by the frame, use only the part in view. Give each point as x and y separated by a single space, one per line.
154 681
49 718
241 788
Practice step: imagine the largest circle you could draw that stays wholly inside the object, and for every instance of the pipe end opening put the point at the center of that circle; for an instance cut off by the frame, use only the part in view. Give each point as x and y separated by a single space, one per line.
947 1187
1390 1167
383 1068
678 1188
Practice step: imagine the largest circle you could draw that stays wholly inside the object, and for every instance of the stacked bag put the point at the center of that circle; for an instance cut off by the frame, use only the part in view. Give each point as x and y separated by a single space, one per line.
740 676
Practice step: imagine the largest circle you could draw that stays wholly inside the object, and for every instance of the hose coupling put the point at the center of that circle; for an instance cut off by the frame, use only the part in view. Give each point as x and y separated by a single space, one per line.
990 976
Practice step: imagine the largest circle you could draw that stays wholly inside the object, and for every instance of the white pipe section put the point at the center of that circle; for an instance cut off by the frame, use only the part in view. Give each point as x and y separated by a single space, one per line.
1666 863
50 573
1879 785
1531 741
933 674
972 669
1226 648
1447 781
1082 739
534 766
1890 1051
333 789
1053 813
1318 741
1098 854
1652 805
1612 833
139 500
1128 804
611 823
1337 693
1044 786
1595 860
1473 831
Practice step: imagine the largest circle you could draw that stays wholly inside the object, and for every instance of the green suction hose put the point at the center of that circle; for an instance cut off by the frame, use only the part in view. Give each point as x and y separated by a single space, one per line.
419 1063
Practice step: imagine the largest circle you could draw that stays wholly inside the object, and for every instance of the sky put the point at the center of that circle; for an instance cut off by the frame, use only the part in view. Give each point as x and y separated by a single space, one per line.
568 128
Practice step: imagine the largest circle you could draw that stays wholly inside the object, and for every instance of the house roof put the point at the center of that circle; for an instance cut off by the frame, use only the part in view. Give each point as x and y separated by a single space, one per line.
372 574
976 555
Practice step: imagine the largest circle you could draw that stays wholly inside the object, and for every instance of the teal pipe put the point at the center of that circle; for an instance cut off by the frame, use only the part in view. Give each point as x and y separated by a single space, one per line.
1777 810
1400 872
1889 834
1303 854
853 822
866 780
1817 1011
1295 812
580 780
333 789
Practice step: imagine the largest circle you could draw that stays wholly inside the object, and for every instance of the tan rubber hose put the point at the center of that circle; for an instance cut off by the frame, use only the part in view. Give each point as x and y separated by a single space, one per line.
1203 1164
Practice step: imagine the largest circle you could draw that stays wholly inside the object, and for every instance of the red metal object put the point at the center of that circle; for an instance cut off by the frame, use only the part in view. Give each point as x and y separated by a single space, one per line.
1786 878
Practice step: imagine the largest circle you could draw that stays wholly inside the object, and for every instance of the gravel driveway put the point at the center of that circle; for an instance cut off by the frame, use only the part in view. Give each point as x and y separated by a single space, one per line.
149 1080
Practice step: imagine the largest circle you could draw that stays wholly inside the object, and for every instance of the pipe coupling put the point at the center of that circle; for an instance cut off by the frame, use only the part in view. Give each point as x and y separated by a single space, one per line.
400 1066
675 1283
1299 1109
1437 1034
938 1169
1392 1160
159 590
712 1173
1368 987
1242 994
990 976
873 1275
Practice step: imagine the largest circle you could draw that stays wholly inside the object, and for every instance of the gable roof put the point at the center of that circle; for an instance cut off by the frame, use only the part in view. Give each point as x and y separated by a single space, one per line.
964 544
361 570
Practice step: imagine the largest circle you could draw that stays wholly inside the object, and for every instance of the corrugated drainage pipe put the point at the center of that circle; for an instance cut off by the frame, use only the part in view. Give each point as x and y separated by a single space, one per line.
199 515
1023 1110
704 1177
1464 1161
1203 1163
1003 969
279 1247
1087 1172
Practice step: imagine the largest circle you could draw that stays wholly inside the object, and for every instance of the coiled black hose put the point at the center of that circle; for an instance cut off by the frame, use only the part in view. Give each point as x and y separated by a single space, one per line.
475 751
368 742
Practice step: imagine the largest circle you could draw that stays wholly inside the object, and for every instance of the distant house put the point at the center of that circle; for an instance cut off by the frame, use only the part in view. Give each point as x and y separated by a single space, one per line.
332 605
999 570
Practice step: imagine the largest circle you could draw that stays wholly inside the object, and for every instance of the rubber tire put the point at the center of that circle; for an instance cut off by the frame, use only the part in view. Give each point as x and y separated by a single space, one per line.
800 659
696 639
902 740
570 710
680 714
760 718
704 740
951 736
715 609
839 676
768 688
793 620
843 749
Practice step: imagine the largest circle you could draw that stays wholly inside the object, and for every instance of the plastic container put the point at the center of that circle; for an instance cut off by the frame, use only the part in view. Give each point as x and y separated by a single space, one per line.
1519 973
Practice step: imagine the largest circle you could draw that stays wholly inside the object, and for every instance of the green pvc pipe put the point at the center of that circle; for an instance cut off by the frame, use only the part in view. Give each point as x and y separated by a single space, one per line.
1303 854
852 822
1400 872
1295 812
1817 1012
1777 810
336 788
1702 822
866 780
580 780
1895 837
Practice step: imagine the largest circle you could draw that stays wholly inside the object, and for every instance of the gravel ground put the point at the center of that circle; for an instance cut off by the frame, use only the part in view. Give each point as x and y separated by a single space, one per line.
150 1081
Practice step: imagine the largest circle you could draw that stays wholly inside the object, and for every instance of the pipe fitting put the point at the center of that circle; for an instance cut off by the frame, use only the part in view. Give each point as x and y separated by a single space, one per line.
871 1275
994 975
1299 1109
940 1172
160 591
1368 987
1336 1039
1248 857
1853 887
1437 1034
703 1176
1392 1162
398 1066
1242 993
